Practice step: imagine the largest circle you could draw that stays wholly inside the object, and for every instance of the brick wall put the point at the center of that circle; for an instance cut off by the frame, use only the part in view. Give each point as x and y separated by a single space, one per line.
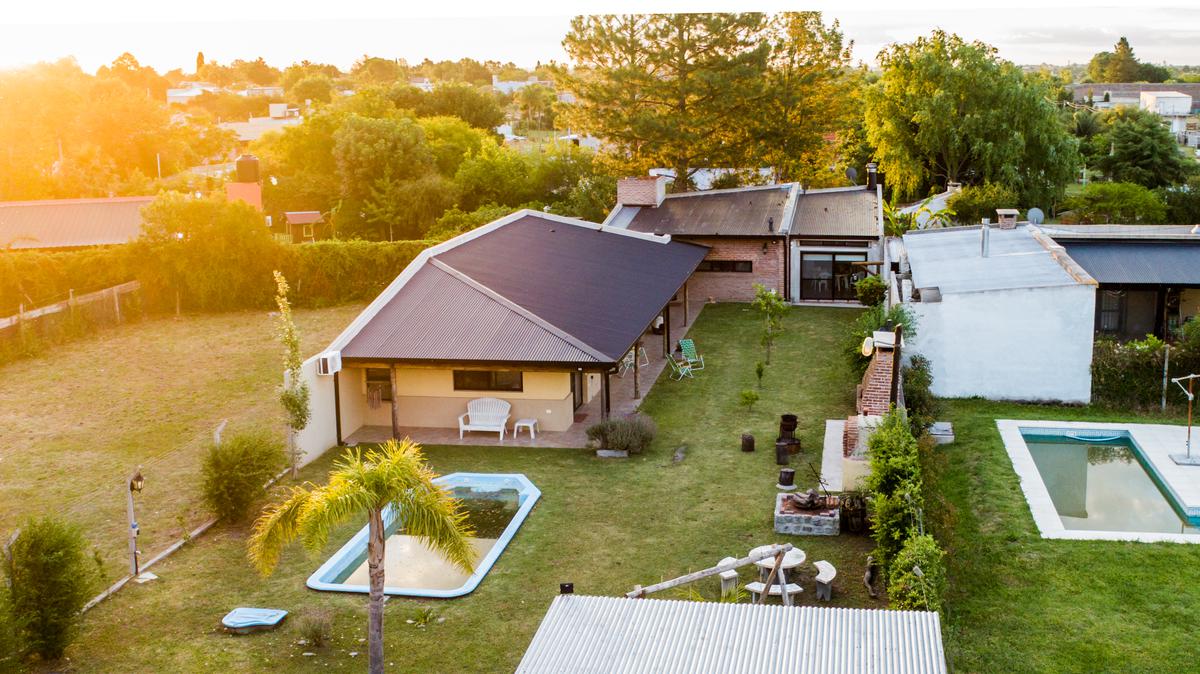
640 191
875 393
768 269
850 436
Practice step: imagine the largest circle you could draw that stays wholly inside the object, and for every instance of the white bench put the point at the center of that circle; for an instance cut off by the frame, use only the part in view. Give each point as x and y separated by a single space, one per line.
825 575
729 578
484 414
756 588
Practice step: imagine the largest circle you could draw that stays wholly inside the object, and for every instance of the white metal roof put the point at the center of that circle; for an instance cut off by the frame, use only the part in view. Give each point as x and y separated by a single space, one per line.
585 635
949 259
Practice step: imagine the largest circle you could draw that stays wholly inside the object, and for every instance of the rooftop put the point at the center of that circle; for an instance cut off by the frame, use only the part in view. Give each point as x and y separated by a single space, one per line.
70 223
742 211
1174 263
257 126
839 211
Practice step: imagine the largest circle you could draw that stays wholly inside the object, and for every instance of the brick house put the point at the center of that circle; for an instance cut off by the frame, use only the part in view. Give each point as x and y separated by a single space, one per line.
807 245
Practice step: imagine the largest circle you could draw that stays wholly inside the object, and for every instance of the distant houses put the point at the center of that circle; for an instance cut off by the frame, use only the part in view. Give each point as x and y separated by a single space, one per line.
59 224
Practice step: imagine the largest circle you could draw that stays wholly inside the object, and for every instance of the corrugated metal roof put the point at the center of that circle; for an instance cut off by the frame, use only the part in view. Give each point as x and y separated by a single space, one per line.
70 223
303 217
1072 232
949 259
1133 262
836 212
735 212
615 635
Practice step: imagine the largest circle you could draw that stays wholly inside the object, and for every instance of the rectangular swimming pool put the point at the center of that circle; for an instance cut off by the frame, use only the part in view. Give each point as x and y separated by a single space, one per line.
496 505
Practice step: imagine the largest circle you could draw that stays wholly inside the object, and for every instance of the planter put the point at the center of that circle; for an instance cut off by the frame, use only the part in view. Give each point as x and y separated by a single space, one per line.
747 442
612 454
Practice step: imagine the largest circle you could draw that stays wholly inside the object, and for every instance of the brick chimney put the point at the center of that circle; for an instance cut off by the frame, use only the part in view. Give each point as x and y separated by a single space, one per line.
642 191
877 393
1007 217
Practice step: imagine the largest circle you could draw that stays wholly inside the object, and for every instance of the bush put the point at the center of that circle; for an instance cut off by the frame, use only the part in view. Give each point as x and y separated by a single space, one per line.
907 589
316 627
871 290
1119 203
630 434
918 399
236 472
9 639
51 577
871 320
894 484
975 202
1129 374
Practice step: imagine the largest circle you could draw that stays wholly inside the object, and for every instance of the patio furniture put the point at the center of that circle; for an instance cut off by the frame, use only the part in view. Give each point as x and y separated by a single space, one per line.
756 588
679 369
791 559
484 414
628 360
688 347
244 620
825 575
729 579
529 424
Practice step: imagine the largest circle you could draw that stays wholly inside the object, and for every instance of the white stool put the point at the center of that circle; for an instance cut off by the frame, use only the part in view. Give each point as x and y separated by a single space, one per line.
528 424
729 579
825 575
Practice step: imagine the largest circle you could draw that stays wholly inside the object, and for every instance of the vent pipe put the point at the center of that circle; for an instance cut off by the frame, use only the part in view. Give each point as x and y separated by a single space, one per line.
984 234
771 224
872 176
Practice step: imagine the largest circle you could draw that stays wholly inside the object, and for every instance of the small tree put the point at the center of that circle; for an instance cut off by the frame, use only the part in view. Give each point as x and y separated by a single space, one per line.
748 398
772 307
293 395
871 291
50 576
236 472
760 368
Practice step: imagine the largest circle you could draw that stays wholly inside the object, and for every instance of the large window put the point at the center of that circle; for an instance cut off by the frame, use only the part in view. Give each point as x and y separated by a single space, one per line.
1127 314
488 380
726 265
830 276
379 383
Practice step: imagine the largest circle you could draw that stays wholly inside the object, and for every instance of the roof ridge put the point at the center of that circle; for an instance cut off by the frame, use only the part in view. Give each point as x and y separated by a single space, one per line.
729 190
85 200
522 311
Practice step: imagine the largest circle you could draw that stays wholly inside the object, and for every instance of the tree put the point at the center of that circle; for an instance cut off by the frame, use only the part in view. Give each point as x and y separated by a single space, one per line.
809 95
1183 202
973 203
407 209
947 110
374 154
772 307
257 71
1135 147
293 394
536 106
393 476
140 78
474 106
199 61
316 88
1119 203
451 140
374 70
1122 66
674 90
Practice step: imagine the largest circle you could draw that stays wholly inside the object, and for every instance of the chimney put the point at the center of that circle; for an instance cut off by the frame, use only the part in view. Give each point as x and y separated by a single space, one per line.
1007 217
872 176
984 238
646 191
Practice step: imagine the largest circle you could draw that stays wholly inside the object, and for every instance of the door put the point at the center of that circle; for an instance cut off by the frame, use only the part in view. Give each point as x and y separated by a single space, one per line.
577 389
830 276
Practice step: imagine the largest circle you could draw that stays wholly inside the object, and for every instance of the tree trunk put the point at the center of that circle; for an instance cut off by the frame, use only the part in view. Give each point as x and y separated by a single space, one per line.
375 548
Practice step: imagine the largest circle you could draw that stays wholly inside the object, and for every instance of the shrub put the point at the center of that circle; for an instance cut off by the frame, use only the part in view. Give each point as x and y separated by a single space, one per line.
760 368
1121 203
748 397
316 627
1130 374
236 472
975 202
871 320
893 521
630 434
894 484
920 590
51 577
871 290
918 399
9 642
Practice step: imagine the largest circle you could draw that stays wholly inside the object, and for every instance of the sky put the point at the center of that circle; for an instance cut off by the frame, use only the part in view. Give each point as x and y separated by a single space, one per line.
167 34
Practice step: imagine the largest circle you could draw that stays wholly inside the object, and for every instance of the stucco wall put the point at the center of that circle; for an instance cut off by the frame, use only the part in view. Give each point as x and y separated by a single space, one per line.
321 432
1024 344
737 286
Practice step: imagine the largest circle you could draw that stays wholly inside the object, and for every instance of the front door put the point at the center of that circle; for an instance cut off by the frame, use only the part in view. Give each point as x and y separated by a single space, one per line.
577 389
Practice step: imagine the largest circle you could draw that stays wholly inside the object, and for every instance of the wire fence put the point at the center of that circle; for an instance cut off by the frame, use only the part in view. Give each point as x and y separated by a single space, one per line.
32 327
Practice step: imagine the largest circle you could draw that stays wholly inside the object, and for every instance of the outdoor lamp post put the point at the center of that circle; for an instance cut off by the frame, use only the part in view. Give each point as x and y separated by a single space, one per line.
136 482
1186 459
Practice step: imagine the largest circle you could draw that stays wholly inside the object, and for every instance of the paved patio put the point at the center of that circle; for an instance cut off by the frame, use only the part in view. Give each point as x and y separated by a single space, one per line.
622 402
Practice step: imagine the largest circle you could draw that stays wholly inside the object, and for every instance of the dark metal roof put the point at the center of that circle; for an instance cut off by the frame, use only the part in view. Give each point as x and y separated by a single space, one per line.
1132 262
69 223
737 212
303 217
838 212
535 289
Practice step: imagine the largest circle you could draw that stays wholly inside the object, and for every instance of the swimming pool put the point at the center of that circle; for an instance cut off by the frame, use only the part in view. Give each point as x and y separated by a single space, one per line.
1095 481
496 505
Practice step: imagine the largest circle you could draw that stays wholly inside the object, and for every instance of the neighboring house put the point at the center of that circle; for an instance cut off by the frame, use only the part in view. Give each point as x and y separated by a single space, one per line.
535 309
70 223
186 91
1172 106
305 226
583 140
511 86
619 635
1011 311
269 91
807 245
280 116
933 204
422 83
1130 93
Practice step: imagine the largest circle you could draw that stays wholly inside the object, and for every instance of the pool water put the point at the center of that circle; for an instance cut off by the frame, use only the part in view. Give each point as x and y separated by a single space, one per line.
1103 486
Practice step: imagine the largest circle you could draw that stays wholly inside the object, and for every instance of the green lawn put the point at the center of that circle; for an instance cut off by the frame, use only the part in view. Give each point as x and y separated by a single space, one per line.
1019 603
605 525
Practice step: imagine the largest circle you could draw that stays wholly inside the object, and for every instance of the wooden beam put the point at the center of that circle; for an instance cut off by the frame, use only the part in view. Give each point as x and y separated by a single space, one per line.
776 551
775 570
667 330
637 370
686 309
395 402
604 399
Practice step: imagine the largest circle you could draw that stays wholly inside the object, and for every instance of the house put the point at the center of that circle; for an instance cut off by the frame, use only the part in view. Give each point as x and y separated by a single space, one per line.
618 635
422 83
305 226
535 309
186 91
279 117
1011 311
806 244
1111 94
70 223
270 91
512 86
1172 106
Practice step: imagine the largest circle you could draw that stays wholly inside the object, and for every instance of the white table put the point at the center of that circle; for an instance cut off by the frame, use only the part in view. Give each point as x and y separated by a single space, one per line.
791 559
529 424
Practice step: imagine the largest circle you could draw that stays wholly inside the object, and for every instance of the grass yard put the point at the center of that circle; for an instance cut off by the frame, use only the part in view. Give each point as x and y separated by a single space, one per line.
80 417
604 525
1019 603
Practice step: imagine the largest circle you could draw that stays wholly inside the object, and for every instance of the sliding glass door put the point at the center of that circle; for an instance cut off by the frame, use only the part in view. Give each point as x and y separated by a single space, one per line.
830 276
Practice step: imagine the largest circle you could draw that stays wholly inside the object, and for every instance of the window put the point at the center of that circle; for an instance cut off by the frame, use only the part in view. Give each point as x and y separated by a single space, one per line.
488 380
726 265
1110 310
830 276
379 381
307 231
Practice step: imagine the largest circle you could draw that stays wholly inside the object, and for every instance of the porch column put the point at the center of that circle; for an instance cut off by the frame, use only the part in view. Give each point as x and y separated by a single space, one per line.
686 309
667 330
395 403
637 368
604 398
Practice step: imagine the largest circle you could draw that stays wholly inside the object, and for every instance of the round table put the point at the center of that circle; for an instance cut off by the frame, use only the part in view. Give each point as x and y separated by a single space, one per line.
791 559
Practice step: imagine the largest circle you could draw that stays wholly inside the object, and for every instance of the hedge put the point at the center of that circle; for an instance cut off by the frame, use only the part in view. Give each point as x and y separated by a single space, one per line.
1130 374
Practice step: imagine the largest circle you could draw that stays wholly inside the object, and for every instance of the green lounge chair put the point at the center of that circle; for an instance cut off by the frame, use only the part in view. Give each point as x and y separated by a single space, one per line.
679 369
695 360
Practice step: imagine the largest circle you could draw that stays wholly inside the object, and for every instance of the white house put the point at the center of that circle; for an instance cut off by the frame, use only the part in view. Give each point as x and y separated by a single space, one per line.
1172 106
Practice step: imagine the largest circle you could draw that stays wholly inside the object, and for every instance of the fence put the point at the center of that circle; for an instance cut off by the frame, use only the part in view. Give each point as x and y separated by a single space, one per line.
24 332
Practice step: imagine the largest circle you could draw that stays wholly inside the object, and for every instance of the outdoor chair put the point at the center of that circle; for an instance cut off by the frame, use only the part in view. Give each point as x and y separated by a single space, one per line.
688 347
627 362
484 414
679 369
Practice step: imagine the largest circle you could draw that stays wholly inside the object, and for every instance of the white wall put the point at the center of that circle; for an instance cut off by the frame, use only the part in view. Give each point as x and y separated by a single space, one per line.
321 432
1023 344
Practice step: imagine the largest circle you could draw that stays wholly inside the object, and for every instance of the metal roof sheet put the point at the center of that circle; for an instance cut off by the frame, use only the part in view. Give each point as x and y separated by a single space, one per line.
615 635
737 212
836 212
1139 262
1071 232
950 259
69 223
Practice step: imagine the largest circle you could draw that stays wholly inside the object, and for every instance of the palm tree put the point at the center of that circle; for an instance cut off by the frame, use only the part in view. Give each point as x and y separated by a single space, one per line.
393 475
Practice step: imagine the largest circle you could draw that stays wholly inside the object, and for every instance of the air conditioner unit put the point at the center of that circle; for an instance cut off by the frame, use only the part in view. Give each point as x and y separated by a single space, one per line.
329 363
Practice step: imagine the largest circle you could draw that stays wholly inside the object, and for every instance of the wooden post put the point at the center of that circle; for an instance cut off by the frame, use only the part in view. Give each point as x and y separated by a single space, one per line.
667 330
395 402
117 304
177 303
898 334
604 397
686 308
762 598
637 368
71 302
776 551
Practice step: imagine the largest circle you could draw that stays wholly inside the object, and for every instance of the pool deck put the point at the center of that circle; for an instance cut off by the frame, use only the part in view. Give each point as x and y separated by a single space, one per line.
1156 441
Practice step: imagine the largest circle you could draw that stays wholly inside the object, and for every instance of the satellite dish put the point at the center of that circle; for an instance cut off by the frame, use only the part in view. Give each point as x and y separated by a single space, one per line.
868 346
852 174
1036 216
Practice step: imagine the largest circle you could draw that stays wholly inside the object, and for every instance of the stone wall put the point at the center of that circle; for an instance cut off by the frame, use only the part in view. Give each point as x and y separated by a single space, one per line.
731 286
816 523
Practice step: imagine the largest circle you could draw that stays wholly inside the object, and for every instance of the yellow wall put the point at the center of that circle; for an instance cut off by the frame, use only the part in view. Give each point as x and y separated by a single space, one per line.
1189 303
